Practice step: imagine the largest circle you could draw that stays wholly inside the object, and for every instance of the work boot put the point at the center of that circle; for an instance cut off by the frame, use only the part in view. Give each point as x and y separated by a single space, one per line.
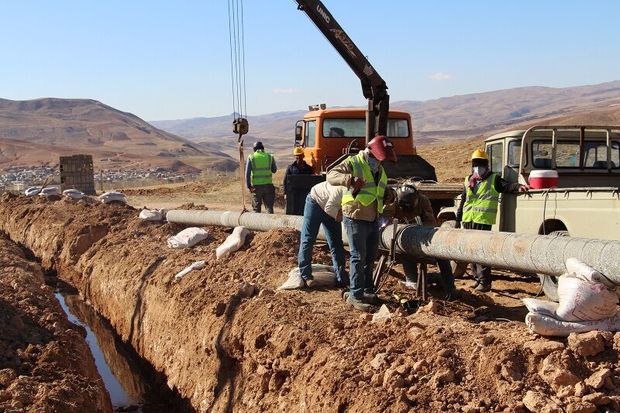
308 283
358 304
483 287
371 298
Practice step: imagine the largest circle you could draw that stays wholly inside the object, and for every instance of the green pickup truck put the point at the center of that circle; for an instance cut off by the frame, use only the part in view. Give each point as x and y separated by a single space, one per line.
582 201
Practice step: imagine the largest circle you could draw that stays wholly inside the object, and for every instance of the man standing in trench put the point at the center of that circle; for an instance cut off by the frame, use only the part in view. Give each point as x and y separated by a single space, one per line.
362 203
258 178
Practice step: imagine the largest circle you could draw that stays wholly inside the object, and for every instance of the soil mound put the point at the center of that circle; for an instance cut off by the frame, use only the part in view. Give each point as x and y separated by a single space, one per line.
227 341
45 364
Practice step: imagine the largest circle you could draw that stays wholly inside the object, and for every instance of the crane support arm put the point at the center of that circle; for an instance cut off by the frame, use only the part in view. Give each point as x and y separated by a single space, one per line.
373 85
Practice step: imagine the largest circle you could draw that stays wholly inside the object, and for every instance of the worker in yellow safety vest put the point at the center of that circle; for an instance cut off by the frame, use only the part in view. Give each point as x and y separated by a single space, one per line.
258 178
479 204
365 181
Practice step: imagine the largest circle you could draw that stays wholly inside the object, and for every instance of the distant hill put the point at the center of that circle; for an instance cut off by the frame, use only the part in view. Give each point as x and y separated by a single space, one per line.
39 131
435 121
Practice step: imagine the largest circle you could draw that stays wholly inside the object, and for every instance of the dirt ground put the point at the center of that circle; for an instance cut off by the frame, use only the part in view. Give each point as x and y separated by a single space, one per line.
45 364
228 341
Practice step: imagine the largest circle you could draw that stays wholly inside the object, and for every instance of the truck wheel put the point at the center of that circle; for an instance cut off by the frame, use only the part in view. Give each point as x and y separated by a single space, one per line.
458 268
549 283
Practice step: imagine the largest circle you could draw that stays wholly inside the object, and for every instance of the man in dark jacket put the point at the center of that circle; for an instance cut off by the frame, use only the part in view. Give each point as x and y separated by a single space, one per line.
299 167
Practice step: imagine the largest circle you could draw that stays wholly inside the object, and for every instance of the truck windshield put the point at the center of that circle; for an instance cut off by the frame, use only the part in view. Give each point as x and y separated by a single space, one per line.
356 128
567 154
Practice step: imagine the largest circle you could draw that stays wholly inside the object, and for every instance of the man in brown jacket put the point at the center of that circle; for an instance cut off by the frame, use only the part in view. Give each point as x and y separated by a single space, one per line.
362 203
413 207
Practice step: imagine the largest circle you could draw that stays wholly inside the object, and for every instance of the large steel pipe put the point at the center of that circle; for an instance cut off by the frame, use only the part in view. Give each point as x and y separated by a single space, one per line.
545 254
250 220
518 252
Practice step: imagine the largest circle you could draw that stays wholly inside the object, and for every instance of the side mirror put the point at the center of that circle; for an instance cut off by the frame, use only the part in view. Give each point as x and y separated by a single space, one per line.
299 132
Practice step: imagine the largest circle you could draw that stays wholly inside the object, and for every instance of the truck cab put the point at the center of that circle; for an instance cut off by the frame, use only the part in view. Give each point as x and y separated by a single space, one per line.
328 135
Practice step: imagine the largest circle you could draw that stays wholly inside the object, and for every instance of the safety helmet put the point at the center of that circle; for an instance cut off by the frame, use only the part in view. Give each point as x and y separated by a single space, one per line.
479 154
298 150
382 149
258 145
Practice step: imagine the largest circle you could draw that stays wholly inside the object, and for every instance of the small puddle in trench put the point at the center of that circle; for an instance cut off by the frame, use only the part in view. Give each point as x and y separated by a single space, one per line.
131 382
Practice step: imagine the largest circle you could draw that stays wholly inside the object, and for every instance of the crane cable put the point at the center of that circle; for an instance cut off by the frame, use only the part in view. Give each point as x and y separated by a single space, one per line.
236 38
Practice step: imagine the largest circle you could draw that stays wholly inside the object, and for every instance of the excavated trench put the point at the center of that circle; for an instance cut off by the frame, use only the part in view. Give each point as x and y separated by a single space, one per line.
225 347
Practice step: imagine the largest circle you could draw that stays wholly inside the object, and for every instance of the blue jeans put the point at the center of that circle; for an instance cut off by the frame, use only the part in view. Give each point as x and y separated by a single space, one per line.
364 245
314 216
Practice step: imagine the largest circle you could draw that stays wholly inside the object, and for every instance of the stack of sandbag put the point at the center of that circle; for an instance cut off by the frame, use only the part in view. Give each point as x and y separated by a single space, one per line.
233 242
73 194
187 238
587 301
324 277
156 215
112 196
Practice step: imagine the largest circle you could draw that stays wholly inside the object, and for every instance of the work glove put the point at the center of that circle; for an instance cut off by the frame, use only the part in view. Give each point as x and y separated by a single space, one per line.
251 189
458 224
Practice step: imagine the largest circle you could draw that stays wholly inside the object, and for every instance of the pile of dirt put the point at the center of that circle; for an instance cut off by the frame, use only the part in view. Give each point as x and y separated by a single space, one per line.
227 340
45 364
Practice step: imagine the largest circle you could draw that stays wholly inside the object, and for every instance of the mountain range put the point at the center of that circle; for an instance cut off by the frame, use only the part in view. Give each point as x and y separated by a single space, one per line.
36 132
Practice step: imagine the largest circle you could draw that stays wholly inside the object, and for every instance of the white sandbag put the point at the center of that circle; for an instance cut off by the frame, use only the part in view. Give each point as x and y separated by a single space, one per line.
581 300
324 277
544 307
187 238
33 190
194 266
73 194
49 191
548 326
232 243
575 266
151 215
108 197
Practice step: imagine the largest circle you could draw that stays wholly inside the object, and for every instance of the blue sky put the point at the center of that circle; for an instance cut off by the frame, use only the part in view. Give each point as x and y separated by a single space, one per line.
168 60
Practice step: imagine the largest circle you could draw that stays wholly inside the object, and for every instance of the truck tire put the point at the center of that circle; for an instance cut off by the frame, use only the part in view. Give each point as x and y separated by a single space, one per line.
458 268
549 283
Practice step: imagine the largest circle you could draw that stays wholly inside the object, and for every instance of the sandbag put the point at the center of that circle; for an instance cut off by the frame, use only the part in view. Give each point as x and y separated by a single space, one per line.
549 326
324 277
187 238
575 266
232 243
33 190
73 194
544 307
152 215
194 266
582 300
109 197
49 191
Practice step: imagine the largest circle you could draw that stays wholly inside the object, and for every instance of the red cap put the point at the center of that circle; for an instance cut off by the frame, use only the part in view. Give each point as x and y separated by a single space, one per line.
382 149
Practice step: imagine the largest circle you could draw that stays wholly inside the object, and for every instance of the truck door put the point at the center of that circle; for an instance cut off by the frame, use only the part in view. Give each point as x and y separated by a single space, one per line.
495 150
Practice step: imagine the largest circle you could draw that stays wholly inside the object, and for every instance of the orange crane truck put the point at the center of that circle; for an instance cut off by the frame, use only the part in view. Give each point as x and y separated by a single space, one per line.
329 135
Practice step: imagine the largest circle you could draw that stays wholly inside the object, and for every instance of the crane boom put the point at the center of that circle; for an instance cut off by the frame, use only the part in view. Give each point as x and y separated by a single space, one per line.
374 87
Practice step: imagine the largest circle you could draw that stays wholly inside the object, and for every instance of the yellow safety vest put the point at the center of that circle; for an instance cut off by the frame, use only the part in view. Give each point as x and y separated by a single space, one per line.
261 168
481 207
370 192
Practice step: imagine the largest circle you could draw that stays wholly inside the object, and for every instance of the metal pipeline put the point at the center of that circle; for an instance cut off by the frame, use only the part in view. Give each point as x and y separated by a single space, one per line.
518 252
545 254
